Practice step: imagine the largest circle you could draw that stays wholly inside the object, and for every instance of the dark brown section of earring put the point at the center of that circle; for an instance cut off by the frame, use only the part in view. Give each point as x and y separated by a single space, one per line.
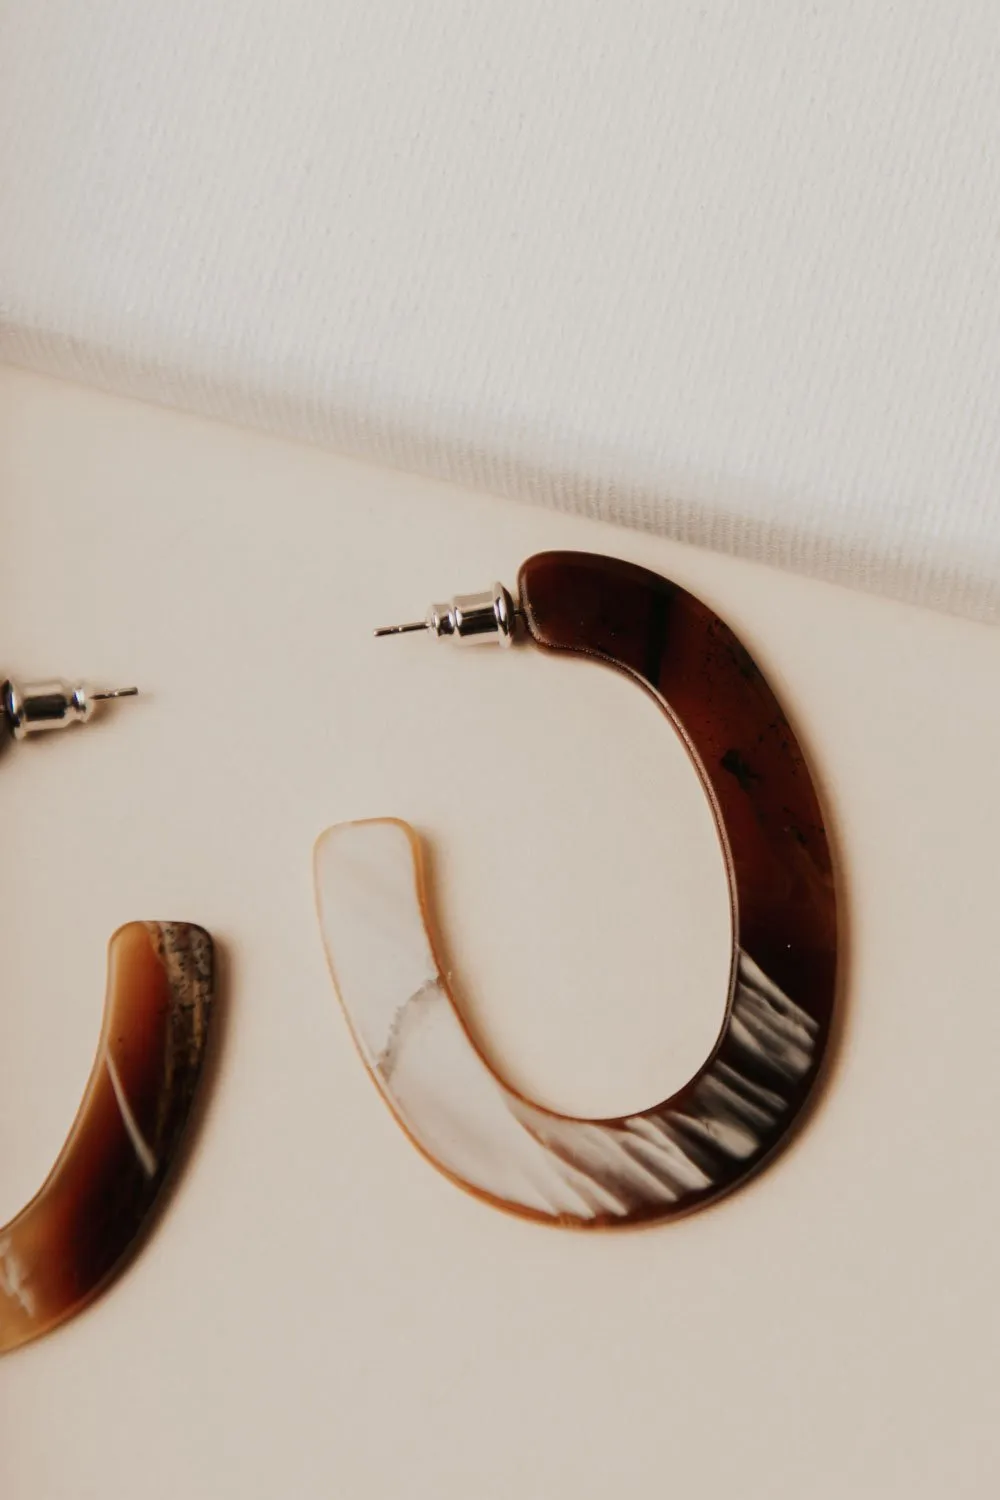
749 757
82 1225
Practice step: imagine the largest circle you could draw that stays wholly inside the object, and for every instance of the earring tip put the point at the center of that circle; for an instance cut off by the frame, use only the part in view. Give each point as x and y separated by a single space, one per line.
400 629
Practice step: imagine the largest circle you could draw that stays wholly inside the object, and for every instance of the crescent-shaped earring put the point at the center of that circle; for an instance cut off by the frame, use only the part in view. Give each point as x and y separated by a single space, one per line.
78 1230
740 1106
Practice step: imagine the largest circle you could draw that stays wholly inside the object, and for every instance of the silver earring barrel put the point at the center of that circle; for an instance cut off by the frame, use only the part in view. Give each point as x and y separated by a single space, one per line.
471 619
51 705
467 619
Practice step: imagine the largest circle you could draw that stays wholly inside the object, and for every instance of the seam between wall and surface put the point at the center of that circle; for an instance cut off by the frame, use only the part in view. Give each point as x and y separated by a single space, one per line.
720 512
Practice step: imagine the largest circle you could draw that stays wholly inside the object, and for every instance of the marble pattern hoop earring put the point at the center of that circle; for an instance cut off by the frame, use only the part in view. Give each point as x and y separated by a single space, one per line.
740 1106
91 1211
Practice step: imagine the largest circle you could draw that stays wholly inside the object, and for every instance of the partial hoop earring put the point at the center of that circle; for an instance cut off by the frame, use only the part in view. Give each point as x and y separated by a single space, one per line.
79 1229
740 1106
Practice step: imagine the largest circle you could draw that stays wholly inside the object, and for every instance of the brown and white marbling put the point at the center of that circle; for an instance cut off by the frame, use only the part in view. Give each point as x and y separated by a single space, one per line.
482 1132
742 1103
78 1230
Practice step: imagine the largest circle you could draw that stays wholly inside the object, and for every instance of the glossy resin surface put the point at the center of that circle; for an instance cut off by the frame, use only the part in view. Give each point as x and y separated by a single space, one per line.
91 1211
737 1109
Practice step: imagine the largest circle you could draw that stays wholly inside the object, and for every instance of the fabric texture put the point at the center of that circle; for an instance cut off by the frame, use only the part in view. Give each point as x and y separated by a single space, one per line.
727 271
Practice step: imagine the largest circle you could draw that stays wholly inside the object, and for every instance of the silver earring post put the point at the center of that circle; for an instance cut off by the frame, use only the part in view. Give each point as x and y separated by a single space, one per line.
402 629
468 619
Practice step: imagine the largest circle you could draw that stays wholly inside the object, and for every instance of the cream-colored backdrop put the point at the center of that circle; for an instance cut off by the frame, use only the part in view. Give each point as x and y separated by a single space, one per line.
318 1312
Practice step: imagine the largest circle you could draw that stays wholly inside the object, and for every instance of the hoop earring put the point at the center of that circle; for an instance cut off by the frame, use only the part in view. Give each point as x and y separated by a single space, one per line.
90 1213
718 1129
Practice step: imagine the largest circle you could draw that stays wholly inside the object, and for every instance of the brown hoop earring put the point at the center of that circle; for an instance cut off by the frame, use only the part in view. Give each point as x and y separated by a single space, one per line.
718 1129
90 1213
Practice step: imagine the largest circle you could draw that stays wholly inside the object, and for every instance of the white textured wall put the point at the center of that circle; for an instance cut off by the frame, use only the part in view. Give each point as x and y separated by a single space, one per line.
723 269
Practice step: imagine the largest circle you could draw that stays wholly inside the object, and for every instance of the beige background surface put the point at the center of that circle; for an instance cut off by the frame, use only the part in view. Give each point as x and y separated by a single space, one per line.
319 1313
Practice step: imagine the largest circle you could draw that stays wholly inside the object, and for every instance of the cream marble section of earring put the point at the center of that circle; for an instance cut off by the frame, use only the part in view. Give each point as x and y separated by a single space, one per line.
577 1172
